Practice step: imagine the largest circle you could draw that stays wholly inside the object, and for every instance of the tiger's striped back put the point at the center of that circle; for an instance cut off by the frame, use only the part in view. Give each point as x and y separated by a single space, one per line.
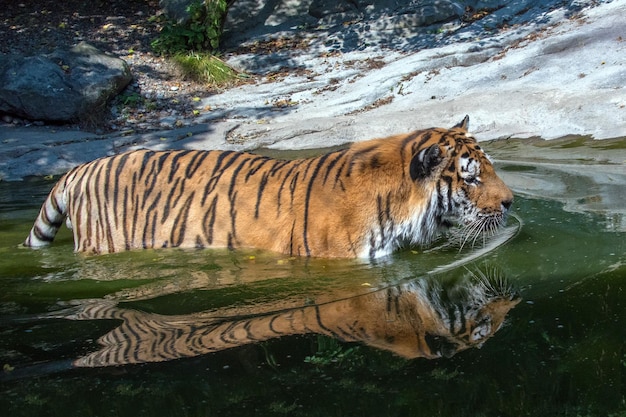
148 199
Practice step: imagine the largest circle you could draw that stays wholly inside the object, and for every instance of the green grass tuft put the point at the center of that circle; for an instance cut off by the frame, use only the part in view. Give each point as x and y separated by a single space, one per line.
204 67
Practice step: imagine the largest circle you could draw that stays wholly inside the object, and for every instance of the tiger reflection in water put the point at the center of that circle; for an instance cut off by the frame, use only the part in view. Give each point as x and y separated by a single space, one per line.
425 317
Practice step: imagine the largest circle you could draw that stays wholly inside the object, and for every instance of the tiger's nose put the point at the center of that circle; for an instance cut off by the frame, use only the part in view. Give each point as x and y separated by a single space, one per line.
507 204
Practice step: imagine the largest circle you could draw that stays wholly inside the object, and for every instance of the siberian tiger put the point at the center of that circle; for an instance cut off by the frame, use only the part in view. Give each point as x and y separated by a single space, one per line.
364 201
426 317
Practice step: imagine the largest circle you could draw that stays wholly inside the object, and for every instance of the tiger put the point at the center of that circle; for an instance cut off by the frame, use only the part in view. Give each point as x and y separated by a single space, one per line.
367 200
428 317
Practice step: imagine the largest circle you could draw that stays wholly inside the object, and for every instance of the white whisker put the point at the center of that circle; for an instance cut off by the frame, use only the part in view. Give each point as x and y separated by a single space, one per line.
478 231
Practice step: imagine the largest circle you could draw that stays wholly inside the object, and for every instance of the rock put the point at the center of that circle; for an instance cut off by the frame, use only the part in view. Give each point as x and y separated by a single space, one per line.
254 19
415 12
62 86
321 8
177 10
426 13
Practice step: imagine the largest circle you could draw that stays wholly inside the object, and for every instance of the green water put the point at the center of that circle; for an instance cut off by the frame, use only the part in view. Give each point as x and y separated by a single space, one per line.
562 351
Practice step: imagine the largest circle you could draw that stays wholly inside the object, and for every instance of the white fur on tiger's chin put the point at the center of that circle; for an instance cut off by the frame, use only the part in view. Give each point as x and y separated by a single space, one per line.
493 233
420 228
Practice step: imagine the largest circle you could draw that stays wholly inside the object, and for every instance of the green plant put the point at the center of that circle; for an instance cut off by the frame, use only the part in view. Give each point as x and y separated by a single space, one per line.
201 32
131 99
331 352
282 407
204 67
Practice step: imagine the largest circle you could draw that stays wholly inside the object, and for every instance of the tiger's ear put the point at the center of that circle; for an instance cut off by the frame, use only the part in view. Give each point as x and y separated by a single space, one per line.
463 124
424 162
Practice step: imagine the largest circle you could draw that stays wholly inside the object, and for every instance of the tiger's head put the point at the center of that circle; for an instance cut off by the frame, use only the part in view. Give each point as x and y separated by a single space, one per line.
462 181
422 183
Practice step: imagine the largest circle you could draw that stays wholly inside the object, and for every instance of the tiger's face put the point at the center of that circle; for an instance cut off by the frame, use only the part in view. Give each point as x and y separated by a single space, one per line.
468 191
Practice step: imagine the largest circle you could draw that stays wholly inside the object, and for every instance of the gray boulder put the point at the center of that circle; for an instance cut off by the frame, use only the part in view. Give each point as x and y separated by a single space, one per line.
64 86
177 9
428 12
322 8
425 12
358 21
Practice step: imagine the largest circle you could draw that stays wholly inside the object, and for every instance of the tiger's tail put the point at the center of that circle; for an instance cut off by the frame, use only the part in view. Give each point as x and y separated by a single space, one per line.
50 218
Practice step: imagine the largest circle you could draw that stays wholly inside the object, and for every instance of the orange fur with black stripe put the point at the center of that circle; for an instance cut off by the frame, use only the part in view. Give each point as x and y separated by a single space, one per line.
363 201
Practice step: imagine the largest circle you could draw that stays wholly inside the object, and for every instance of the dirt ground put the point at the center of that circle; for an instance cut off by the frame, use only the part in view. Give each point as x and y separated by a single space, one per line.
157 98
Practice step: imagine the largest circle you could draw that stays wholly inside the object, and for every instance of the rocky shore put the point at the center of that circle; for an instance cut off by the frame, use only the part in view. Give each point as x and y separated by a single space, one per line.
547 69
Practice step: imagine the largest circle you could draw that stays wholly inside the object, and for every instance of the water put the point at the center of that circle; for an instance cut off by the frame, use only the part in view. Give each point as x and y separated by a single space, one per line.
562 349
